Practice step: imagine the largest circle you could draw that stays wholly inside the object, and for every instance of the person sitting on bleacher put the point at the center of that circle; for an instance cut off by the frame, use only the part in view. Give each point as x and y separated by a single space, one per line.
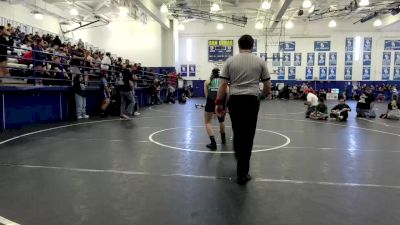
393 111
365 104
341 111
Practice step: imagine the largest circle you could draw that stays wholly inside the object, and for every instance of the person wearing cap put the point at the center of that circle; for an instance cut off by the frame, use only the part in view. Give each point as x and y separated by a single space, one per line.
211 89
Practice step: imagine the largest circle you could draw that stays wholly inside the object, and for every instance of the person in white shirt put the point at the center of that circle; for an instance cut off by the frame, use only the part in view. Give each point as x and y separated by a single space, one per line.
311 102
106 62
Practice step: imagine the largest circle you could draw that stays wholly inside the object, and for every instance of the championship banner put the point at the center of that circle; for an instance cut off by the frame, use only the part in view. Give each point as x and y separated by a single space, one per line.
219 50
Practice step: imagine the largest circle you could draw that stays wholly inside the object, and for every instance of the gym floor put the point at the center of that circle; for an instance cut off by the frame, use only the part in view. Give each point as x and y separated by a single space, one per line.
155 169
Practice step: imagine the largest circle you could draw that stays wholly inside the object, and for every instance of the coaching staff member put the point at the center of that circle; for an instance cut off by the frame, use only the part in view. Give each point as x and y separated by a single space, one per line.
244 72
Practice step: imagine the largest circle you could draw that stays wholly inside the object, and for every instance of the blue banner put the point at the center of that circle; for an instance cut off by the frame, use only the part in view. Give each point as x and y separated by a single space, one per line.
332 58
348 73
387 59
385 73
286 59
192 70
309 73
281 73
287 46
348 58
276 59
263 56
397 58
392 45
297 59
292 73
366 74
367 59
310 59
322 46
396 73
349 44
322 73
219 50
332 73
367 44
184 70
254 46
321 59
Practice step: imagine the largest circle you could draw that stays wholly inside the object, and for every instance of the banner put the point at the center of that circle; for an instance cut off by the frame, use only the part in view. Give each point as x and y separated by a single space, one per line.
281 73
332 73
192 70
292 73
367 58
332 58
309 73
263 56
349 44
287 46
297 59
321 46
322 73
348 58
276 59
310 59
367 44
387 58
184 70
366 74
397 58
286 59
219 50
385 73
392 45
396 73
321 59
348 73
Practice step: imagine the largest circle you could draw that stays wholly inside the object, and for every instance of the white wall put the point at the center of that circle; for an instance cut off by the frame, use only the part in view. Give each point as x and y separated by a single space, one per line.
305 36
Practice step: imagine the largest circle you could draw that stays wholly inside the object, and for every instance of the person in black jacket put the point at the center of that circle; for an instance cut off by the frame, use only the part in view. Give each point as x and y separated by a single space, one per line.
341 111
4 42
80 97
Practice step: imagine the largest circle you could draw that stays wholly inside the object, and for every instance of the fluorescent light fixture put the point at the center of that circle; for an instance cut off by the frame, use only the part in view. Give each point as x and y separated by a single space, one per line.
123 11
181 27
357 47
74 12
289 24
164 8
69 2
220 26
363 3
215 7
377 23
311 10
332 24
189 50
266 5
307 4
259 26
38 15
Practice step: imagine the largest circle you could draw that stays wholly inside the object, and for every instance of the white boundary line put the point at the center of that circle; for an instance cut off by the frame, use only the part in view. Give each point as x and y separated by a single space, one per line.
7 222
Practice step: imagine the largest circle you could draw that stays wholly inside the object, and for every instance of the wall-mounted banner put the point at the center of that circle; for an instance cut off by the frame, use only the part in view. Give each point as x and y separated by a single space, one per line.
386 73
366 74
348 58
321 59
387 58
349 44
392 45
332 58
184 70
263 56
332 73
367 44
286 59
310 59
322 46
292 73
297 59
219 50
348 73
309 73
287 46
254 46
367 58
397 58
322 73
276 59
396 73
281 73
192 70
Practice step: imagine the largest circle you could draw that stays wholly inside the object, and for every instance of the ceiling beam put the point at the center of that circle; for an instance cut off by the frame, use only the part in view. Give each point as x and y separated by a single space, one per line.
153 11
277 17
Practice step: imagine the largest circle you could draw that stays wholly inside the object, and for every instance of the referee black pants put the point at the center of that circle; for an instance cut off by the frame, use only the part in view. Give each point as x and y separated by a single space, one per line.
243 110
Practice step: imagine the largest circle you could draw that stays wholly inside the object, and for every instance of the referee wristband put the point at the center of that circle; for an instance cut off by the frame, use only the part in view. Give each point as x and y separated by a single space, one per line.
218 102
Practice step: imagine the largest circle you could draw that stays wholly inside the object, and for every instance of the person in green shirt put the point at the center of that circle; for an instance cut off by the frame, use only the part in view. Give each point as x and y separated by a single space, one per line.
321 111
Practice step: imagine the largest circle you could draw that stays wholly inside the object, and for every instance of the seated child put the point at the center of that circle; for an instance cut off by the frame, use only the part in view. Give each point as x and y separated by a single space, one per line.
341 111
321 111
365 104
393 112
182 99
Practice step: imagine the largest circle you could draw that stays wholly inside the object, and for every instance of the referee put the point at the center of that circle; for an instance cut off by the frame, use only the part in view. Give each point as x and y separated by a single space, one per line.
244 72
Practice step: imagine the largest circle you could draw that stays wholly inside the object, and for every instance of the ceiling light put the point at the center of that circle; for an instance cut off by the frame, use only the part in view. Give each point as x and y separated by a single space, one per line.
74 12
69 2
38 15
307 4
363 3
123 11
311 10
181 27
332 23
266 5
220 26
289 25
215 7
164 8
377 23
259 26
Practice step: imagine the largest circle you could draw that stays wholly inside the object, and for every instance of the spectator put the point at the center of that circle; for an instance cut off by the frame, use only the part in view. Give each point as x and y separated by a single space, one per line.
127 97
341 111
81 44
80 97
105 94
393 111
155 96
106 62
365 104
4 42
58 71
57 41
311 102
321 111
